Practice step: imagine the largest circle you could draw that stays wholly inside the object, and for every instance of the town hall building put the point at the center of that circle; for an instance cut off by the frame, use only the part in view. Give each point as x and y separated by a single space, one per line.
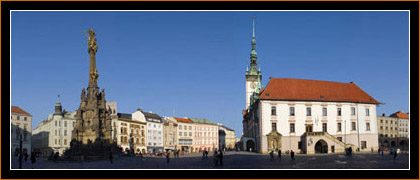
306 116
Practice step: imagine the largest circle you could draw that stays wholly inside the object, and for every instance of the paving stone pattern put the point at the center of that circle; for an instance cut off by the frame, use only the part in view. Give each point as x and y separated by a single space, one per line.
235 160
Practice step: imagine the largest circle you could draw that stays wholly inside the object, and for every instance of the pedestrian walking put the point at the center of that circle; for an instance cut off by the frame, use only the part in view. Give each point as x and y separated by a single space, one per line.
207 154
26 157
272 156
221 157
33 159
111 158
216 158
382 152
292 155
204 155
395 154
371 149
279 152
177 154
379 151
167 157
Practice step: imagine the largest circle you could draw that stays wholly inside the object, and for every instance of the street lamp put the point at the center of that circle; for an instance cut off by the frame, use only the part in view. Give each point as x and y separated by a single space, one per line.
20 148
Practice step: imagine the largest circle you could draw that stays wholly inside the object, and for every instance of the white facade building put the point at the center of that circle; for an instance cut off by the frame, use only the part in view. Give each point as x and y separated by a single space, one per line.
154 133
306 116
309 116
55 133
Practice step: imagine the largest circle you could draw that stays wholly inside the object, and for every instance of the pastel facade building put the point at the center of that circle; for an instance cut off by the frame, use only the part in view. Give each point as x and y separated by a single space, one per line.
206 135
130 132
403 136
185 134
170 133
387 131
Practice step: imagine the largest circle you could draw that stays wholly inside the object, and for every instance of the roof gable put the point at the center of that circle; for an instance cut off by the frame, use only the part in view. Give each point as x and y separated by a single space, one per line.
16 109
152 117
185 120
400 115
314 90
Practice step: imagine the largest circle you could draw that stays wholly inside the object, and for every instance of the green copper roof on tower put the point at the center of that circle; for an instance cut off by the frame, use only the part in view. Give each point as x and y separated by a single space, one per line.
253 52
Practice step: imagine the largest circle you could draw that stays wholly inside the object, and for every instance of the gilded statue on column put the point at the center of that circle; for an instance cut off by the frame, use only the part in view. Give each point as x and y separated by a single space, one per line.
92 41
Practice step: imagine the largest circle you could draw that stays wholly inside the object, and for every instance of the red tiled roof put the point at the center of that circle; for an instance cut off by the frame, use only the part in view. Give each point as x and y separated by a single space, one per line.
401 115
16 109
314 90
185 120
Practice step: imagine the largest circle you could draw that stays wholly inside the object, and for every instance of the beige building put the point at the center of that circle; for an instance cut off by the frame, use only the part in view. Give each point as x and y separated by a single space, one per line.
185 134
128 130
54 134
227 137
206 135
21 129
170 133
387 131
403 136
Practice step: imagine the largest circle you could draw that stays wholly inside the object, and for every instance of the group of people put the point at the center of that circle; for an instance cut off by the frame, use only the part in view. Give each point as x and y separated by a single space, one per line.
25 156
292 154
218 157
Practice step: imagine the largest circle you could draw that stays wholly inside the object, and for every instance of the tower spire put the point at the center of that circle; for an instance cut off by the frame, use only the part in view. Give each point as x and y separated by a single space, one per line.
253 26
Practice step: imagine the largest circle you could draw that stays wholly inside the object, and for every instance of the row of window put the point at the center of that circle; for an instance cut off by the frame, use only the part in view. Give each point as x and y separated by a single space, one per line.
400 129
154 125
58 123
324 127
185 127
124 139
205 128
154 138
386 121
154 144
185 134
309 111
59 133
59 141
18 118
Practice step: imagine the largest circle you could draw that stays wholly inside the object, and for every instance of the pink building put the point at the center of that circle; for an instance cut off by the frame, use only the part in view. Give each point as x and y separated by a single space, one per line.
206 135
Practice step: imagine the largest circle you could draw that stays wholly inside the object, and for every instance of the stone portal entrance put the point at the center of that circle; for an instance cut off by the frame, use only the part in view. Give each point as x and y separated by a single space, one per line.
321 147
250 145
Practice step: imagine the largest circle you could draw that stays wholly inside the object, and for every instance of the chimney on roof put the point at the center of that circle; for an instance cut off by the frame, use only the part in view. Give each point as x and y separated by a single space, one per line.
351 82
383 114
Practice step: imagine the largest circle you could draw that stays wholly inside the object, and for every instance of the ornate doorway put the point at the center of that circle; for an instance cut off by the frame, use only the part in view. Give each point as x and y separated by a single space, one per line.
250 146
321 147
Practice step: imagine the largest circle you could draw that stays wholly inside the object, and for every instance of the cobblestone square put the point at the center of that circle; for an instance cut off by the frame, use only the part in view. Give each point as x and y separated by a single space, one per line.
235 160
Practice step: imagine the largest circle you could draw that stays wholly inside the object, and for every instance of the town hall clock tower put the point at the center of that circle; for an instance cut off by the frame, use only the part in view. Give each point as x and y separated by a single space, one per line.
253 75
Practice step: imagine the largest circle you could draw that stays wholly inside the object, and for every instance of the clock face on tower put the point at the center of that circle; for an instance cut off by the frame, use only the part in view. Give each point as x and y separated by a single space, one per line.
253 85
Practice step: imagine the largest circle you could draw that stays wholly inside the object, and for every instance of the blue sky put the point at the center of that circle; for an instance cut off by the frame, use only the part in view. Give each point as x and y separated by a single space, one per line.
193 63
